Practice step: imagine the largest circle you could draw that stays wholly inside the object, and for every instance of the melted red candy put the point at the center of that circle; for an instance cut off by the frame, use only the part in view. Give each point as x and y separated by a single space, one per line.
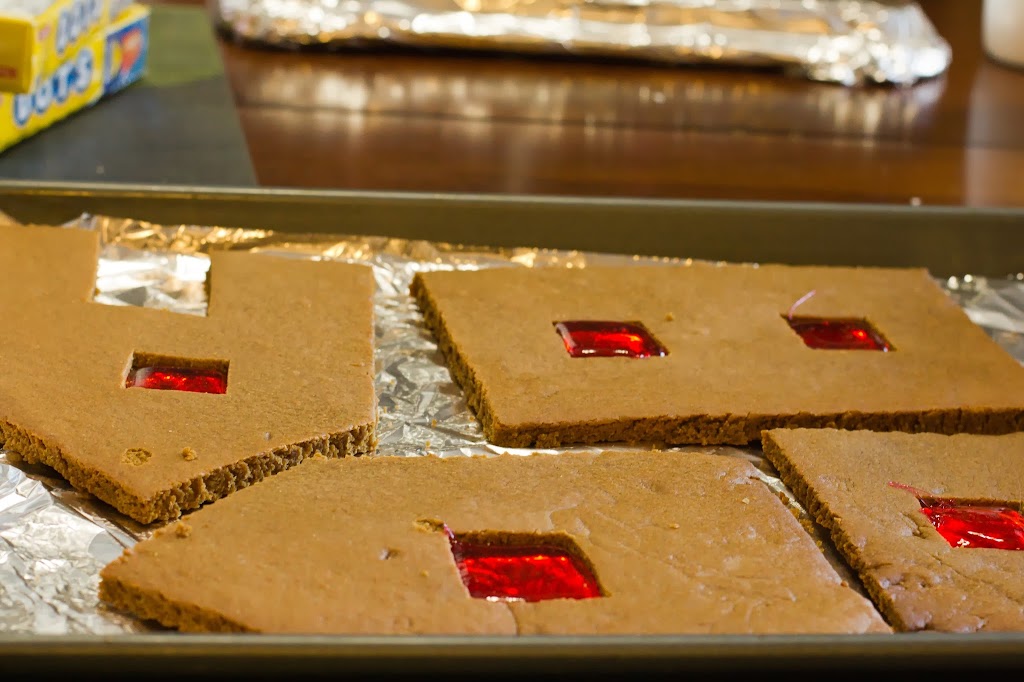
977 526
600 339
972 525
176 379
522 572
838 334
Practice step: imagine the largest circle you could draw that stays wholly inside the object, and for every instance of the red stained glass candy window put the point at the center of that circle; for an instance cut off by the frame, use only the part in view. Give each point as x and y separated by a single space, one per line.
532 570
602 339
973 525
171 374
977 526
820 333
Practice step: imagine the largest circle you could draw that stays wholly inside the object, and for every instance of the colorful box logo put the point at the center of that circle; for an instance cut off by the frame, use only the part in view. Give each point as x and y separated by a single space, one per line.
125 56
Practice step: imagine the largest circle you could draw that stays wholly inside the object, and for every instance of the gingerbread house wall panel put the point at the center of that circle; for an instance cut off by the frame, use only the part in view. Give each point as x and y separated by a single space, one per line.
296 339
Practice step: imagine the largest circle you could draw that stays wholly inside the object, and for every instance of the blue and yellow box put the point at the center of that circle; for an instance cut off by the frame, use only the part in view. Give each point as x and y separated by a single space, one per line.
37 36
105 63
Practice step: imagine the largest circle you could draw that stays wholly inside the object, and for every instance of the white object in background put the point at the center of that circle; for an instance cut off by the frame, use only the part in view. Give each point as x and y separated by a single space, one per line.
1002 31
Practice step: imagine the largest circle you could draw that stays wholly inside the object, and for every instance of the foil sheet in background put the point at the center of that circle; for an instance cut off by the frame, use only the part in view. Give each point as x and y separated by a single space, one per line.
842 41
55 540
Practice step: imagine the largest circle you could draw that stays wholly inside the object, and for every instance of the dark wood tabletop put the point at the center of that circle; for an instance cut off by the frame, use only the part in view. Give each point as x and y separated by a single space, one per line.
456 122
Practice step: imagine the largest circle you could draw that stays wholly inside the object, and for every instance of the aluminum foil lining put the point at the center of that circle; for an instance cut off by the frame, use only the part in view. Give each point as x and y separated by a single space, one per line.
842 41
55 540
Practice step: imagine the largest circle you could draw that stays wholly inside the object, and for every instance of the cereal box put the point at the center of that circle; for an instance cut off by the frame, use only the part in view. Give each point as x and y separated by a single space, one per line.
36 36
102 64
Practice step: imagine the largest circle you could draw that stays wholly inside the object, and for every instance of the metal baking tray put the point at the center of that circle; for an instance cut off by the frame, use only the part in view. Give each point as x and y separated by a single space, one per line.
946 240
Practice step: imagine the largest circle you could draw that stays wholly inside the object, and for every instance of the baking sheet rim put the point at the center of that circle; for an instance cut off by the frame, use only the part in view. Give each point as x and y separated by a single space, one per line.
115 190
732 652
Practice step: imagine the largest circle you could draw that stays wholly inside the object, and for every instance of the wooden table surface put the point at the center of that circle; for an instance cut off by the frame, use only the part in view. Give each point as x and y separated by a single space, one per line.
386 120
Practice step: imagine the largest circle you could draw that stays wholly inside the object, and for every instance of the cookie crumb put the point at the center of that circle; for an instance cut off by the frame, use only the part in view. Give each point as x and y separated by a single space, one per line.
182 529
433 423
669 317
673 526
136 456
425 573
429 525
388 553
189 454
745 500
266 436
427 444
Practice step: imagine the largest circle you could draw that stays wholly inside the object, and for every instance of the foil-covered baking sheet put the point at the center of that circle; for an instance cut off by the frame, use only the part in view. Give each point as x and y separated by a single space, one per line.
55 540
841 41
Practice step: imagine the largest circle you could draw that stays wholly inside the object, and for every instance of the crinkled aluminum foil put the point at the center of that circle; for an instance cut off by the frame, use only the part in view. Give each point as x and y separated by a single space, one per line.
842 41
55 540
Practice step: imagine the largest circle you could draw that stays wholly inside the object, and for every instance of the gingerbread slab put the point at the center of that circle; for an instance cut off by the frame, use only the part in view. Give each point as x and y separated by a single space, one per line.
280 368
666 542
719 353
931 523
